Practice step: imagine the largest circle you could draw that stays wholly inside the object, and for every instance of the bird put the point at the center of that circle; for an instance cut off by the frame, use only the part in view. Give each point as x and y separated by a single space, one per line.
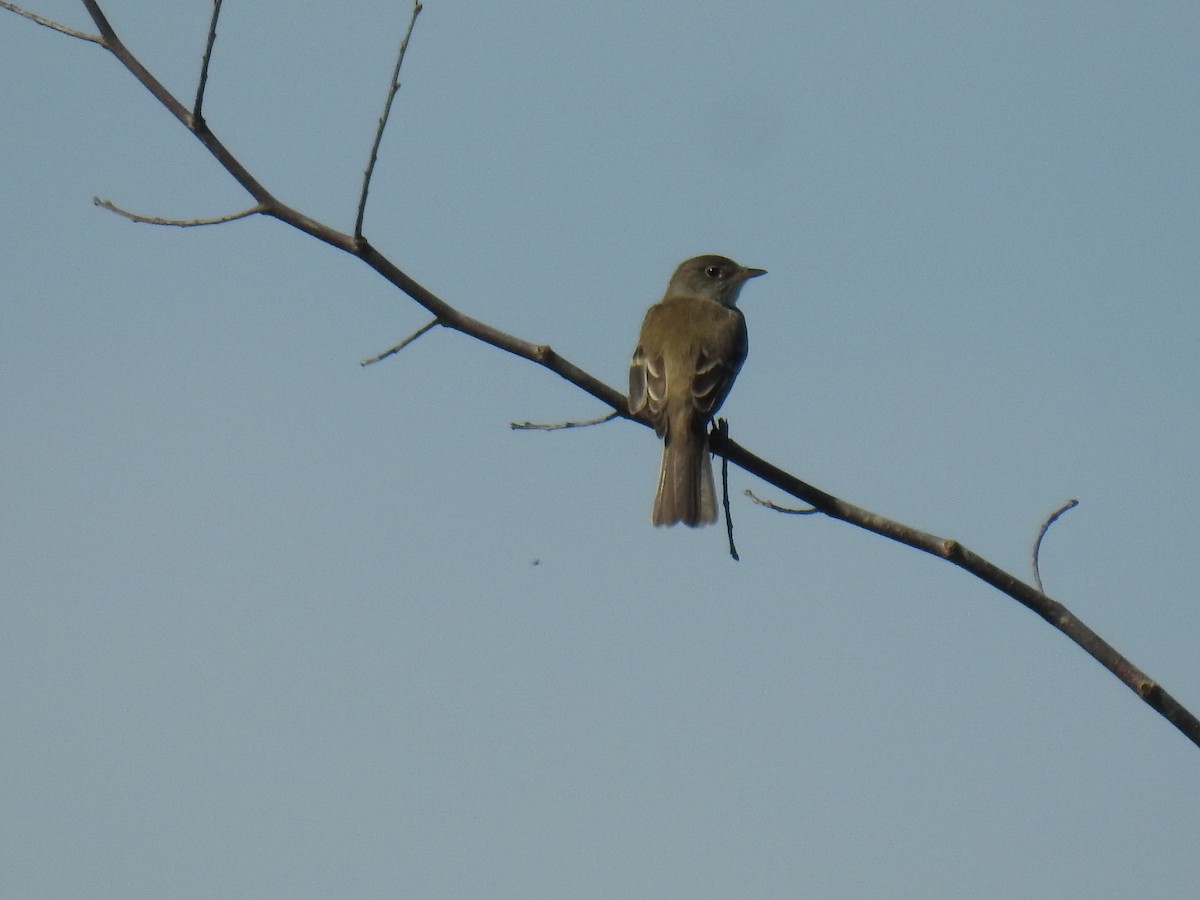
691 347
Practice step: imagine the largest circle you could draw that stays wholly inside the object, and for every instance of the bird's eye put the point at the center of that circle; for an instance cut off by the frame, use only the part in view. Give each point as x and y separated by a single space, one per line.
713 271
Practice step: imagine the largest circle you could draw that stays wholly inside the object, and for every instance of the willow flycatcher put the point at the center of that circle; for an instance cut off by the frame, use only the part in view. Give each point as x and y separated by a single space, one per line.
693 343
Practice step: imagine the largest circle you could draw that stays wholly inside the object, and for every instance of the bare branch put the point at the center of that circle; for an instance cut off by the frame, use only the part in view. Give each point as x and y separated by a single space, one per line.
952 551
789 510
178 223
53 26
558 426
208 49
383 120
400 346
1037 545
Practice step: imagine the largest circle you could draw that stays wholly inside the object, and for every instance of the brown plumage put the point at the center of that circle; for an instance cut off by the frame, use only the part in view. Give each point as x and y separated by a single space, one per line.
691 347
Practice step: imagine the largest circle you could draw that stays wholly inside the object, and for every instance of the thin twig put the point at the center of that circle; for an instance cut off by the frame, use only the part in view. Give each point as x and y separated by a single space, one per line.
400 346
1037 545
53 26
177 223
558 426
383 120
723 427
790 510
208 49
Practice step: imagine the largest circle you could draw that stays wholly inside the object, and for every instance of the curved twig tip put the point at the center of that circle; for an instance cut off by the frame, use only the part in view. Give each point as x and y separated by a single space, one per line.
1037 545
177 223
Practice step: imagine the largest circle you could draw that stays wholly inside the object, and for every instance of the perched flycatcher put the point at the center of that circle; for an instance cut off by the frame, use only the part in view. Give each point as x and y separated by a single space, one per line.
693 343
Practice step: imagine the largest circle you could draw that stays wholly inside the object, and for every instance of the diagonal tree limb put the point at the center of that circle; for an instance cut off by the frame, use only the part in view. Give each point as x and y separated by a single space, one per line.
954 552
950 550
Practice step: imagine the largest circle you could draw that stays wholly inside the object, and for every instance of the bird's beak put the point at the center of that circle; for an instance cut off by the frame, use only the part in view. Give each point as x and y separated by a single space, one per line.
747 274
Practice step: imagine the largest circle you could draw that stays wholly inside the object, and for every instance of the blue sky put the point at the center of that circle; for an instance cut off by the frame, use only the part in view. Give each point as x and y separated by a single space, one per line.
279 626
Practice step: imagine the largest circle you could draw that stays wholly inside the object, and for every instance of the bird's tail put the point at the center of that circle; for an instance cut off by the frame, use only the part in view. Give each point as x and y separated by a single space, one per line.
686 490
